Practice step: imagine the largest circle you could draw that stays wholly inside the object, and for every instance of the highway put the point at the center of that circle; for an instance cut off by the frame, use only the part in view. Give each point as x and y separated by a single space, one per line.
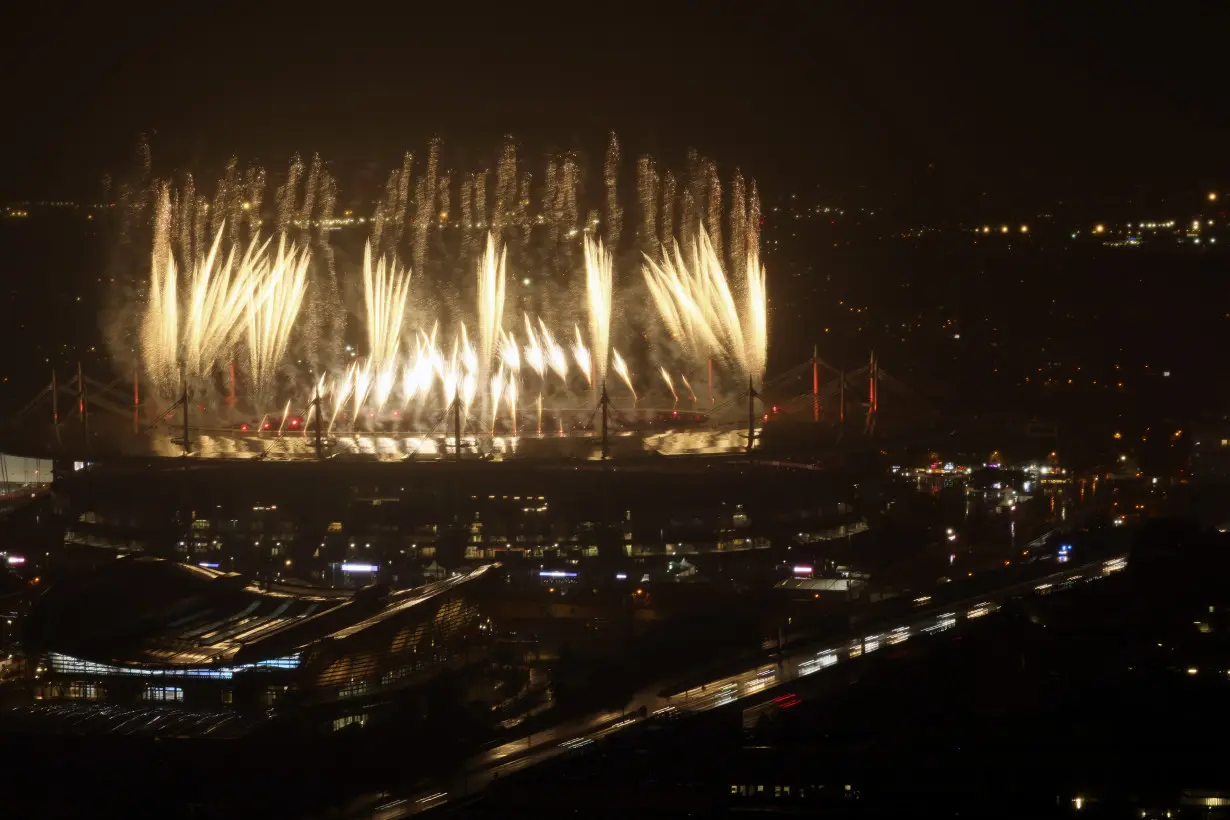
572 736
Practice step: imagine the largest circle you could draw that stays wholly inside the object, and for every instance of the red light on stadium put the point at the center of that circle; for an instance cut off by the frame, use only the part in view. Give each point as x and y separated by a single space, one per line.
294 422
267 426
674 414
243 428
775 408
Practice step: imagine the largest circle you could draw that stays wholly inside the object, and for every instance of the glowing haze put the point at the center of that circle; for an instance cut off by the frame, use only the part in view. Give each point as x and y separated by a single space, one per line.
514 348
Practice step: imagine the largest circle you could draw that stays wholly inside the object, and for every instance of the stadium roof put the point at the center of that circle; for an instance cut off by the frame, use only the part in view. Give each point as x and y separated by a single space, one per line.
147 612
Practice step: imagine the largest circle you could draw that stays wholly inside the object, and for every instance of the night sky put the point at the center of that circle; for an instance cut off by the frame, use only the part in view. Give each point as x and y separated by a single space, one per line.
931 110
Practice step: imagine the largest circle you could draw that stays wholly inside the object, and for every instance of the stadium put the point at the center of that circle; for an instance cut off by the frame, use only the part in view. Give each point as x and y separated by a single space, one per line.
146 632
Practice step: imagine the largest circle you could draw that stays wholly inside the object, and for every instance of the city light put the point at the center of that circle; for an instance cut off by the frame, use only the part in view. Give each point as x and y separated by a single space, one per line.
1212 196
360 568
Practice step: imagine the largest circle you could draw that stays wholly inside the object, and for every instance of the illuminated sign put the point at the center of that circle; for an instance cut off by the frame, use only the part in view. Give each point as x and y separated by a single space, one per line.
360 568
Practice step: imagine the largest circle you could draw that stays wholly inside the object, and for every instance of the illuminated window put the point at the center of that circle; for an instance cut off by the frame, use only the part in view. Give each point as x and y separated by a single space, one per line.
353 689
169 694
270 696
68 665
349 720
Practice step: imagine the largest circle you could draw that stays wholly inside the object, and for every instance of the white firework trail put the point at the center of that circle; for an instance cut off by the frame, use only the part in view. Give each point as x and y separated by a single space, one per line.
490 302
599 281
695 302
344 391
497 387
362 387
534 355
581 354
621 368
282 422
555 352
756 332
272 311
510 354
666 377
510 392
687 384
385 291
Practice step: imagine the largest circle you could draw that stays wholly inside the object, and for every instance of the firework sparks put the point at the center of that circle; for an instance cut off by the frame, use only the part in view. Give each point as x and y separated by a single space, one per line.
510 392
666 377
581 354
599 281
343 393
621 368
756 332
688 386
695 302
385 290
534 355
272 313
490 302
555 352
497 388
510 354
219 293
222 293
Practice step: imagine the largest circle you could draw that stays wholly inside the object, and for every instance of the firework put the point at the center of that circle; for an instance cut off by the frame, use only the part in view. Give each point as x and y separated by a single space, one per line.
263 291
490 301
695 302
687 385
510 392
497 387
271 313
666 377
581 354
756 332
510 354
555 352
219 293
534 355
599 283
385 290
621 368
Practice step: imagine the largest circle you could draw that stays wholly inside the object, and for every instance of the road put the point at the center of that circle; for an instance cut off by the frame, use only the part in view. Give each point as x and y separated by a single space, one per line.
571 736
